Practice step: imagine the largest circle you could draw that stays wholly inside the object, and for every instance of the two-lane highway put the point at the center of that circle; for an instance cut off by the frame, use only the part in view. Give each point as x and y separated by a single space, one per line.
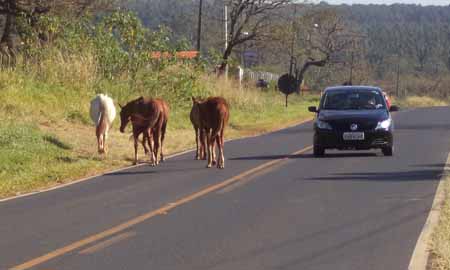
273 207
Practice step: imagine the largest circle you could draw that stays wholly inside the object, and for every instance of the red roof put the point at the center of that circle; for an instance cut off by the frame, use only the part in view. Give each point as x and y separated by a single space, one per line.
180 55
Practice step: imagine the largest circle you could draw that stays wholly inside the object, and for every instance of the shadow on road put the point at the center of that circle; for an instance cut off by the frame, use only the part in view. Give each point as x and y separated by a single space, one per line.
131 173
430 127
414 175
332 155
436 165
308 129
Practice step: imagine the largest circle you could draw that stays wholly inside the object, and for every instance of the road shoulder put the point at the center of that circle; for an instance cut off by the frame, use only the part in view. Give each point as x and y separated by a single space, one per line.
426 244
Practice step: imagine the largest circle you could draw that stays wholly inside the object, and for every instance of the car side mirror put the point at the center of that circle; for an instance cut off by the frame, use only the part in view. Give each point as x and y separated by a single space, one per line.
313 109
394 108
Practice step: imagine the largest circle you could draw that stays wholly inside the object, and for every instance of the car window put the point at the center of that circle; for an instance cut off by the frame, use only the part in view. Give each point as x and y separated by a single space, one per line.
353 100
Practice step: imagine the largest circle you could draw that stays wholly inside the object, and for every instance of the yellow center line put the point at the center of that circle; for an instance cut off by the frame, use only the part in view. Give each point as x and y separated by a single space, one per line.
107 243
256 175
161 211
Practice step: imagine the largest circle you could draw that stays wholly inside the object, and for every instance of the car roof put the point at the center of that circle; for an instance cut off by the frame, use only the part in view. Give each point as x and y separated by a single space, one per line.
353 87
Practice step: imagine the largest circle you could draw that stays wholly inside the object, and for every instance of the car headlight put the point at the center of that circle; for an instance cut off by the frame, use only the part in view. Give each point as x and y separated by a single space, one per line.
323 125
384 125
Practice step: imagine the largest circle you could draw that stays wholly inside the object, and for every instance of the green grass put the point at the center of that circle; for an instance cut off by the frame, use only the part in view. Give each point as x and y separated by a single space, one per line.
28 158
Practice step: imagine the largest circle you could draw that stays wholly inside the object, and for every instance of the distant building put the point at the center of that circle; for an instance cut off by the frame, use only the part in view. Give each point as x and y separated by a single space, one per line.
179 55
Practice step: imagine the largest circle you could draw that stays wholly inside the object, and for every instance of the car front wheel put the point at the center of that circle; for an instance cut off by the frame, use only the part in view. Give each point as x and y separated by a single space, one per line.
318 151
388 151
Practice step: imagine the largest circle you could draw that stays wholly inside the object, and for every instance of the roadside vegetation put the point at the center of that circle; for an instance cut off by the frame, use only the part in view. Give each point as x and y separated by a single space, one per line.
46 134
440 248
69 51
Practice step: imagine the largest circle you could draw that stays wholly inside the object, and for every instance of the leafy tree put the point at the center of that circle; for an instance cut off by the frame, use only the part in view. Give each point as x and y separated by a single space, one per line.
30 12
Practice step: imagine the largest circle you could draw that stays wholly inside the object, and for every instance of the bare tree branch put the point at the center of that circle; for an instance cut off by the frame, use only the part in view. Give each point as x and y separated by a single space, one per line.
248 19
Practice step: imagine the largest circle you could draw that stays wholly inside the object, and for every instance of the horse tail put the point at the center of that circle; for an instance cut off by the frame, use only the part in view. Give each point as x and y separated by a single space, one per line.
95 110
220 126
108 108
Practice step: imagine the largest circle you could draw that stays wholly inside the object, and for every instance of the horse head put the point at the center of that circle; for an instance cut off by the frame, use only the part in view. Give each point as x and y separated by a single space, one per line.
125 115
127 111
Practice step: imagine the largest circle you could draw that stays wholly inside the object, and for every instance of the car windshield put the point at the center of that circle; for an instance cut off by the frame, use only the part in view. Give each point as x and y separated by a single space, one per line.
353 100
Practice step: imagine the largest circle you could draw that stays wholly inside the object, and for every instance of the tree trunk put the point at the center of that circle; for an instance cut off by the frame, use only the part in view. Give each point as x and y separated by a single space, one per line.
8 41
224 65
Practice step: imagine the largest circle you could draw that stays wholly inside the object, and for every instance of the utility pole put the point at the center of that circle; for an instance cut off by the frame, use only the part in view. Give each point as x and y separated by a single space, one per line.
226 25
226 36
294 37
398 76
199 27
351 68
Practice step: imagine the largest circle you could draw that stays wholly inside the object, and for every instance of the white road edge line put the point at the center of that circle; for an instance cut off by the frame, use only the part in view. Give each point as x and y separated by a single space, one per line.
421 254
142 164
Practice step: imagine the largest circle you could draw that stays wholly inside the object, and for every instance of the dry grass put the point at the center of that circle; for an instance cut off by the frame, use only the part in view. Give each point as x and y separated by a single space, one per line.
420 101
440 249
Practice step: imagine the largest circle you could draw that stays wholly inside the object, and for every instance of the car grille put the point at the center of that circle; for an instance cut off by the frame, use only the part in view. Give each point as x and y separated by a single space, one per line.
345 125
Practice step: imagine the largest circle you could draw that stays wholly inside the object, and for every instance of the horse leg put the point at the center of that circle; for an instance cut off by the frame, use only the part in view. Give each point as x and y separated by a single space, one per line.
209 146
136 140
213 147
163 135
99 133
145 140
213 142
156 134
99 143
105 136
197 153
220 143
202 144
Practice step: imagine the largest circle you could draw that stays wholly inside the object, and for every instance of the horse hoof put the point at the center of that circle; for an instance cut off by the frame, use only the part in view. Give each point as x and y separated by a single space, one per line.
214 163
208 166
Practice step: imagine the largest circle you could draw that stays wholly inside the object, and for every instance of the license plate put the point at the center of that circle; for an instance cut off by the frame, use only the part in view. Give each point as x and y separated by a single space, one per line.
353 136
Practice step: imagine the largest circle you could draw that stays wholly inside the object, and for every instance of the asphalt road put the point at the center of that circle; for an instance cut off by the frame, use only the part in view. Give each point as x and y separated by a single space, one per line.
269 208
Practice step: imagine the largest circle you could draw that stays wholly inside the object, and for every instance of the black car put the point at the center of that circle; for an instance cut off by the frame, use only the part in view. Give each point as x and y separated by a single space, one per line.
353 118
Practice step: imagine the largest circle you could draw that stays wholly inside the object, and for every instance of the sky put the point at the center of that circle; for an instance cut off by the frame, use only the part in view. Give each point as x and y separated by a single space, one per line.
388 2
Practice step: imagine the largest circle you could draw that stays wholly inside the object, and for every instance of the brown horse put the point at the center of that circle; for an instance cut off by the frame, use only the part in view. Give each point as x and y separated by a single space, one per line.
214 115
150 135
199 134
144 114
158 132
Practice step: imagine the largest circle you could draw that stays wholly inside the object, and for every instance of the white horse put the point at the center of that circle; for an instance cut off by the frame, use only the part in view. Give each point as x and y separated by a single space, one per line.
102 113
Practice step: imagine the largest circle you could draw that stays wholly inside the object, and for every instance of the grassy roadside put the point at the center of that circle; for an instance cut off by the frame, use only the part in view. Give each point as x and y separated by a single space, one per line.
419 101
440 246
47 139
440 242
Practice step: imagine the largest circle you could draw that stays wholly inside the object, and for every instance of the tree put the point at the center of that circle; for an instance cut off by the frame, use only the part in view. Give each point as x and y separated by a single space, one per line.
248 20
319 36
31 10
